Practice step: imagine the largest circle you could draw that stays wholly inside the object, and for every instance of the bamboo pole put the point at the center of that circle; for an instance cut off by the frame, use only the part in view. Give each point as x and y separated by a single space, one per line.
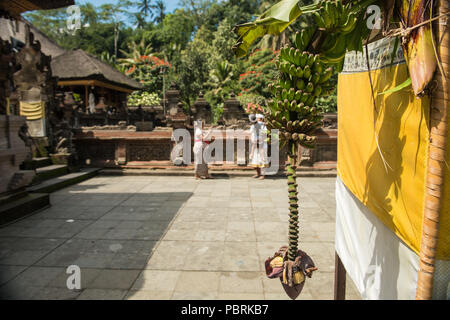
436 162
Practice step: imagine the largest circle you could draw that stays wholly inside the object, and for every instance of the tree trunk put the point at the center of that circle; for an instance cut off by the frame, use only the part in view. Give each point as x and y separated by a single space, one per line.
436 163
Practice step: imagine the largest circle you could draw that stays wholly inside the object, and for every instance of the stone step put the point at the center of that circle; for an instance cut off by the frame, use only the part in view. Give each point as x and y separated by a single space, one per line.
12 197
41 162
23 206
66 180
51 171
214 173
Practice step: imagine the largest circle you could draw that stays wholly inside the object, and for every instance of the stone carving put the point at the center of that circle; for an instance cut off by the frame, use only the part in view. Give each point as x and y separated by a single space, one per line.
64 139
25 135
7 68
33 82
13 151
330 121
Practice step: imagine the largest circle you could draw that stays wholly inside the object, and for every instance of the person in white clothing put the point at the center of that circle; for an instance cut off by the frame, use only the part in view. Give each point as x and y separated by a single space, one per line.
201 141
258 151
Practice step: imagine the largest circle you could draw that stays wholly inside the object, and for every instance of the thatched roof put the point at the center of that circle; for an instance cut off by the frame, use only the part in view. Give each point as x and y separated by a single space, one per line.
14 8
79 65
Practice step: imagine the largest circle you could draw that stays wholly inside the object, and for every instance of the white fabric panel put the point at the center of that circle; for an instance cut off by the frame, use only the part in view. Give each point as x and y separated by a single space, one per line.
379 263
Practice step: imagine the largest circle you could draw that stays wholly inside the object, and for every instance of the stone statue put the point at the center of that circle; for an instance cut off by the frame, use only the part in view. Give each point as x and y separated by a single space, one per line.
91 103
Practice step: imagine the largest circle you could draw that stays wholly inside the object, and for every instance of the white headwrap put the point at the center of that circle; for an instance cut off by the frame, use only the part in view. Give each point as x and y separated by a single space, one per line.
259 116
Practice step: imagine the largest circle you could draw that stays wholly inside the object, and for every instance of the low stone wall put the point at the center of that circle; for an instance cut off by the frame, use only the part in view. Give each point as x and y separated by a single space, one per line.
122 148
113 148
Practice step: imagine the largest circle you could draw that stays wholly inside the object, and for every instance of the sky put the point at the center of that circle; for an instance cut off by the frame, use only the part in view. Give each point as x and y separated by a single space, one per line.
171 4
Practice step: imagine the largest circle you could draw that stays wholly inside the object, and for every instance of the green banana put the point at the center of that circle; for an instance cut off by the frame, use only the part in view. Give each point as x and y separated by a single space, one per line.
300 84
291 94
318 67
292 70
320 21
310 61
291 55
305 97
299 72
297 57
350 24
326 75
317 90
306 72
293 106
315 78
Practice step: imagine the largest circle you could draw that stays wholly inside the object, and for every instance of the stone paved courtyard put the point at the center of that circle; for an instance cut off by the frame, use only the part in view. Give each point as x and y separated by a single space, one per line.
162 237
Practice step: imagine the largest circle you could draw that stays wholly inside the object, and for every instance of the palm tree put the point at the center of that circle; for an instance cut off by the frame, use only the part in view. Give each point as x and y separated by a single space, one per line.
158 11
221 75
145 6
137 50
109 59
139 19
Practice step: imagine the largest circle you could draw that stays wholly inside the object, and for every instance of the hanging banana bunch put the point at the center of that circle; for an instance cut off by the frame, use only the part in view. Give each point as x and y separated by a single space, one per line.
305 72
303 78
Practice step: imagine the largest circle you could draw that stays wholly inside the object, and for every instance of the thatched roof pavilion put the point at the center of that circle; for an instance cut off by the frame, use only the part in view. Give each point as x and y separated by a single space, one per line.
76 67
83 73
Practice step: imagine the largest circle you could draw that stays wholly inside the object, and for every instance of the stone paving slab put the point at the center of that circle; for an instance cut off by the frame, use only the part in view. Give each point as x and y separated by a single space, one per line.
171 237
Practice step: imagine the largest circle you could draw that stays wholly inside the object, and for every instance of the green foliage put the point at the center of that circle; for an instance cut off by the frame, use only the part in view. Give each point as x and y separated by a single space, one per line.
259 73
193 69
251 98
195 38
328 104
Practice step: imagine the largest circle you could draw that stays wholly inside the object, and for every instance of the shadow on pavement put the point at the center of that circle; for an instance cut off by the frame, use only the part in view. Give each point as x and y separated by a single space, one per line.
109 236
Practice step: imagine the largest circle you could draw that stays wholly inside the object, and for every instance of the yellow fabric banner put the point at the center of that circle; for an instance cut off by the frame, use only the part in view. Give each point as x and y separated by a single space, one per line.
32 110
382 152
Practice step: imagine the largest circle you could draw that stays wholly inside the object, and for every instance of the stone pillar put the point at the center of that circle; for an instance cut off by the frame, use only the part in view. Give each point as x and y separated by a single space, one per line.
121 152
175 117
324 155
202 110
172 99
233 113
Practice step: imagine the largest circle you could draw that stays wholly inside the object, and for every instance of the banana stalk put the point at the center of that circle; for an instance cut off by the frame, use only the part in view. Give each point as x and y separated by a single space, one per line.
291 169
418 49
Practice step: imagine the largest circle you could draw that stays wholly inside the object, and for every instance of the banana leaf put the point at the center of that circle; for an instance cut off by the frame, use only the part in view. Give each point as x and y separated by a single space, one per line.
418 50
401 86
273 21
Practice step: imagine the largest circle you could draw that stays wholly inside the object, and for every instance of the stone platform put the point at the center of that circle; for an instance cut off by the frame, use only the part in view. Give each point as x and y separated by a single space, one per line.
163 237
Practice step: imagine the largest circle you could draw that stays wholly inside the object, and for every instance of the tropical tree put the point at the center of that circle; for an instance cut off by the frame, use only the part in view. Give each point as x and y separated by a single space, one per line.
221 76
136 50
145 7
158 11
